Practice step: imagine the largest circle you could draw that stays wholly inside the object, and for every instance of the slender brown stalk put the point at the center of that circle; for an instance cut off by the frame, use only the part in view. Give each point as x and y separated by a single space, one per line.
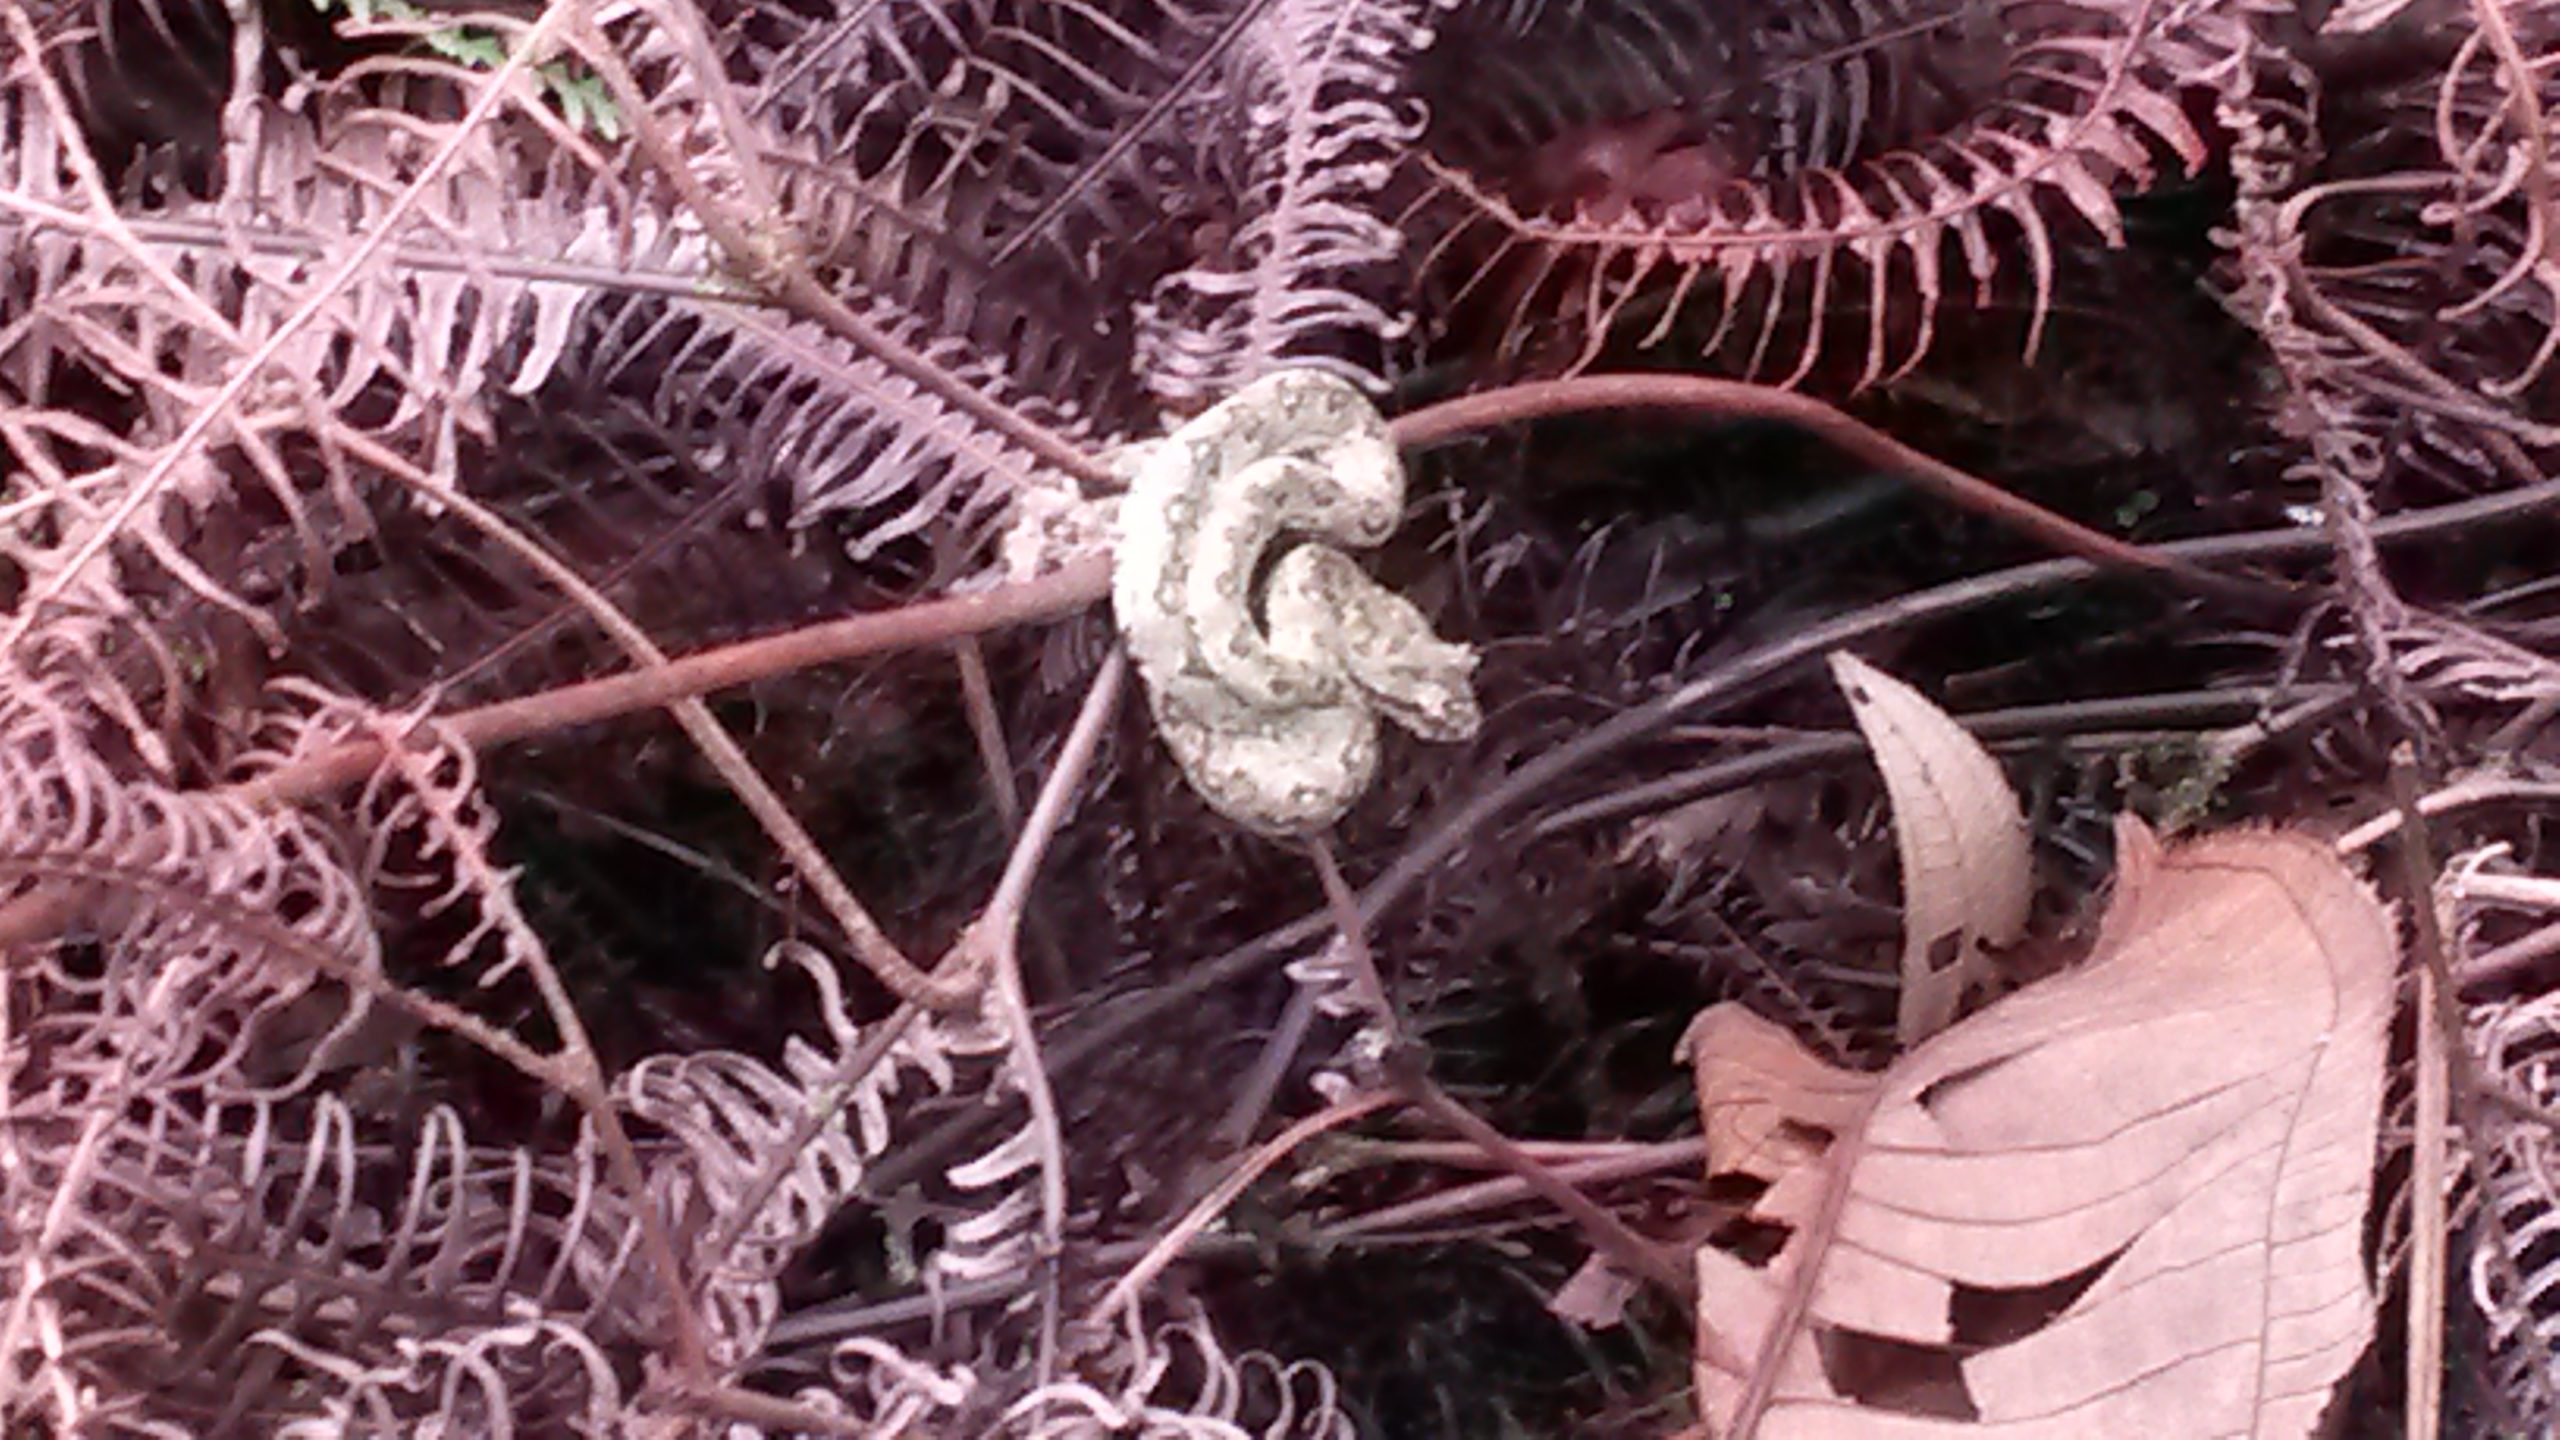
1169 1245
1064 592
991 947
1701 395
1611 1236
2440 1035
869 943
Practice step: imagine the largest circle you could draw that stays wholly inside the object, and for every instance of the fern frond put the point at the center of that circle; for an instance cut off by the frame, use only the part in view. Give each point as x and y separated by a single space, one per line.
2088 99
1003 171
816 428
240 1250
1190 188
1177 1379
128 862
2378 273
1538 93
2412 255
2514 1284
1174 1380
1320 88
236 330
2442 653
518 254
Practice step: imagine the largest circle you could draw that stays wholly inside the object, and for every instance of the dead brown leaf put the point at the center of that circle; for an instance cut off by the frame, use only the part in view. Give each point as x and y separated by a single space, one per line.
2125 1201
1595 1297
1967 870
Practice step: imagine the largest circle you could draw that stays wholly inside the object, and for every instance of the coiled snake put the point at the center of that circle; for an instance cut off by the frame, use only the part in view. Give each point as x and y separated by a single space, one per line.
1268 687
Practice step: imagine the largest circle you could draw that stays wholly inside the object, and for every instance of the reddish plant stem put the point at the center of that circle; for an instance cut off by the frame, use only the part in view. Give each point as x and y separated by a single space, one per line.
1409 1072
1169 1247
1082 583
1702 395
1087 581
1064 592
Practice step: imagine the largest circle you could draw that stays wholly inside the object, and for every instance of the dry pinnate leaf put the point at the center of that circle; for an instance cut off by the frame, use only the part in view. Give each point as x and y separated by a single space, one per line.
1967 872
2126 1201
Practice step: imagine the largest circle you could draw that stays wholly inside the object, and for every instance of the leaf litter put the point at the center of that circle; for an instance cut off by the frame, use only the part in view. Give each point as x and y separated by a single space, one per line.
2128 1200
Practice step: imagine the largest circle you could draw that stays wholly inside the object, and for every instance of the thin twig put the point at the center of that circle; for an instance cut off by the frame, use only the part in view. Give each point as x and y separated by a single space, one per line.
1697 394
997 925
2507 962
1262 1080
1990 726
992 945
773 1414
1357 1152
711 867
1459 1201
1409 1071
2460 795
1068 590
1628 1251
1209 1207
870 944
831 1321
2440 1036
978 700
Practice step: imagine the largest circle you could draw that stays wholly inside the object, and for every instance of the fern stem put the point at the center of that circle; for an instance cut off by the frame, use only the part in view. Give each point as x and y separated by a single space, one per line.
1061 593
1170 1245
1408 1068
1703 395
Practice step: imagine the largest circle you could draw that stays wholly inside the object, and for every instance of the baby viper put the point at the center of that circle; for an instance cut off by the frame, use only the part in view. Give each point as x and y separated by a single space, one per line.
1269 697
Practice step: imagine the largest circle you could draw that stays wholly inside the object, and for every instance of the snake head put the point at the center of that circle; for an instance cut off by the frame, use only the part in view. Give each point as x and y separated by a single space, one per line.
1380 641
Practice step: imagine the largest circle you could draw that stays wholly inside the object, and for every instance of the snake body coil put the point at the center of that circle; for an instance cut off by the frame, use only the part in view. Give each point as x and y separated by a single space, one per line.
1273 715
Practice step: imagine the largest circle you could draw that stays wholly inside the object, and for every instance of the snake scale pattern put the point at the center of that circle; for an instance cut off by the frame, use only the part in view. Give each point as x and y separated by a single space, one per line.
1269 694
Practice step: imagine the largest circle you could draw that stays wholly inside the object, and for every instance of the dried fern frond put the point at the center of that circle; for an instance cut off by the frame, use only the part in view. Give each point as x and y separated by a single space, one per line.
2379 272
1188 191
1175 1380
1300 281
342 305
2087 104
519 249
238 1249
811 428
1553 97
2416 252
2514 1283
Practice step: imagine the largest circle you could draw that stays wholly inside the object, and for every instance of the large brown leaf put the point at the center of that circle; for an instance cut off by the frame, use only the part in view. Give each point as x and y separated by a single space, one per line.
2126 1201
